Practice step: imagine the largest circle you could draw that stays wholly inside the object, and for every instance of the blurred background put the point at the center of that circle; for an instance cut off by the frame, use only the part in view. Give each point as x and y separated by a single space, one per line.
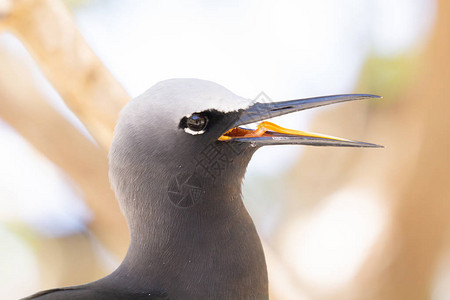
335 223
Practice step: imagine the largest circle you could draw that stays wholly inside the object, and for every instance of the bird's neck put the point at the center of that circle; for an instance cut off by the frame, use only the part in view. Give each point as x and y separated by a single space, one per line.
193 233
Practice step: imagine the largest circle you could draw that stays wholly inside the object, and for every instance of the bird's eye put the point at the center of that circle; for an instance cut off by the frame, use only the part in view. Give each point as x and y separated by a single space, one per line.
197 122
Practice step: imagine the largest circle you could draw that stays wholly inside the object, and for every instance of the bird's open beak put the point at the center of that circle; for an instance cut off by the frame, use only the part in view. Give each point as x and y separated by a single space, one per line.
268 133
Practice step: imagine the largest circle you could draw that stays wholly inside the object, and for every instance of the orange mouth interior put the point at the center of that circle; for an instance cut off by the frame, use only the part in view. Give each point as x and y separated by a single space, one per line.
238 132
264 129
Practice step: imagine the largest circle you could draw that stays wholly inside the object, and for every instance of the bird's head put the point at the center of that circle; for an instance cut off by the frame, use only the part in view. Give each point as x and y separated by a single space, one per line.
190 132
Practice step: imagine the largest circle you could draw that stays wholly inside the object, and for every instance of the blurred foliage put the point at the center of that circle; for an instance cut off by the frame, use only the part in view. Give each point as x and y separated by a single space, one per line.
22 231
74 4
389 74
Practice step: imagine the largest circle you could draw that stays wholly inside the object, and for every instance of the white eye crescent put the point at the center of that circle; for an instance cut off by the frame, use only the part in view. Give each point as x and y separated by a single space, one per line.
196 124
187 130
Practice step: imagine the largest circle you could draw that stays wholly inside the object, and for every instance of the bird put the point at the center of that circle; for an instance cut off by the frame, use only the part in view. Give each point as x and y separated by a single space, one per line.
176 164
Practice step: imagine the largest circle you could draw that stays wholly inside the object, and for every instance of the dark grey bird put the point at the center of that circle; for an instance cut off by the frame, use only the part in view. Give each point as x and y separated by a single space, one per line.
177 161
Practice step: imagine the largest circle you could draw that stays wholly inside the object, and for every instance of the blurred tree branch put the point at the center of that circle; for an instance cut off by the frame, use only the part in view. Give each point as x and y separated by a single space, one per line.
421 211
410 176
48 32
23 105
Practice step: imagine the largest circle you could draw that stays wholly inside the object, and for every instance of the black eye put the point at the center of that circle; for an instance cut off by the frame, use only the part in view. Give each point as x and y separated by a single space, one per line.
197 122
